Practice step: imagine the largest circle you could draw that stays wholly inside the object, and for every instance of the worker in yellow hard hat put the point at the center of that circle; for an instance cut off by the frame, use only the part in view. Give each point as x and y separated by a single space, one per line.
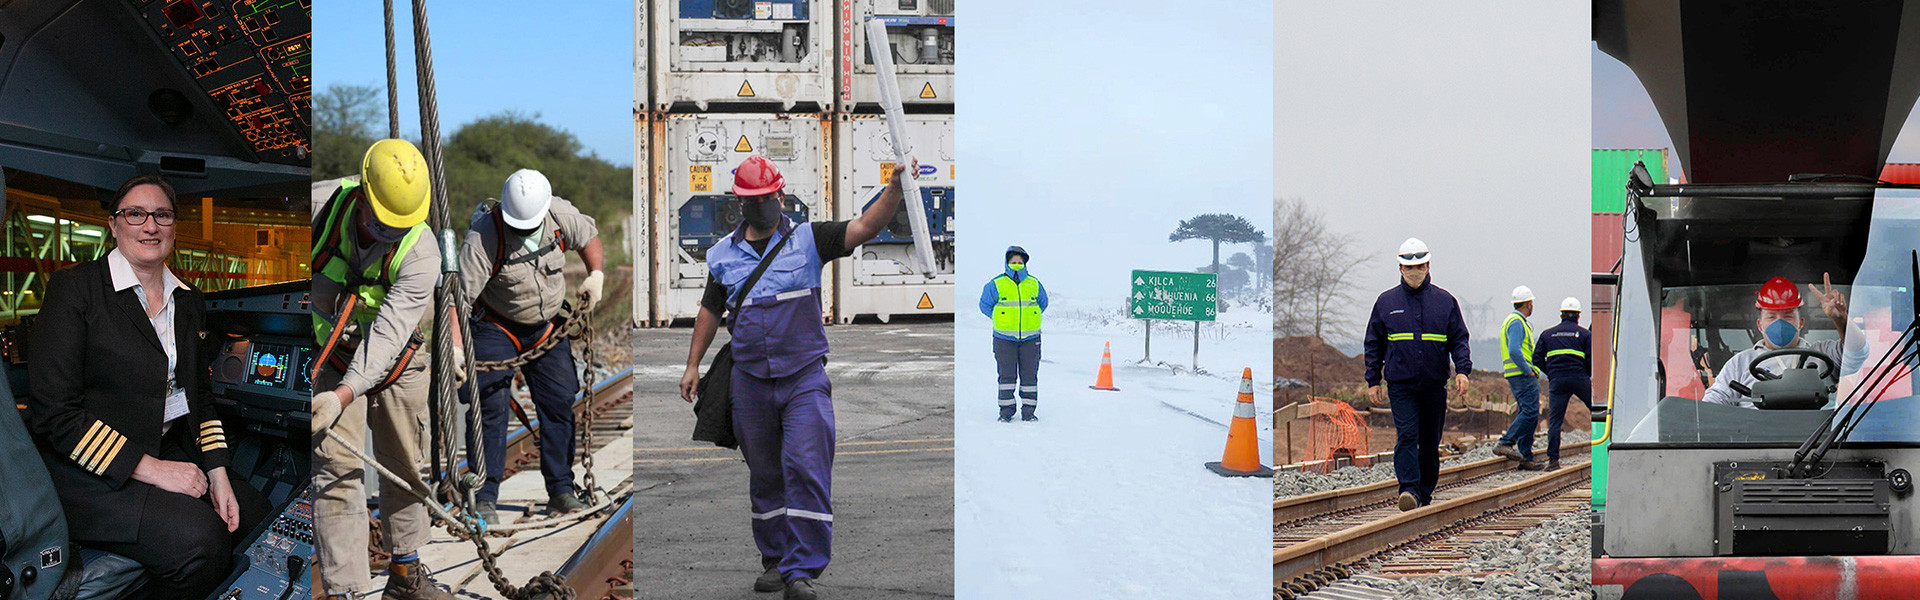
374 267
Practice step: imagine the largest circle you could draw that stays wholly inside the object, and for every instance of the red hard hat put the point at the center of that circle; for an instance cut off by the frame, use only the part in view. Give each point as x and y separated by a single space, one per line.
1777 294
757 176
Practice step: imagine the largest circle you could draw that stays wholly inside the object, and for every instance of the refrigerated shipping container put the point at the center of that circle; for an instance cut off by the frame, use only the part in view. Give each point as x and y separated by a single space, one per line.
738 55
920 35
692 175
881 279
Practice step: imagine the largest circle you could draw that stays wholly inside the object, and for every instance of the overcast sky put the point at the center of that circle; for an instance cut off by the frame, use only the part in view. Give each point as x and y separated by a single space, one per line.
570 63
1623 114
1463 124
1087 135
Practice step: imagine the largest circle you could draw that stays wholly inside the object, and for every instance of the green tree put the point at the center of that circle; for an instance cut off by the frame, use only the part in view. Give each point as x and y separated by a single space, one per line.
1218 228
346 119
481 154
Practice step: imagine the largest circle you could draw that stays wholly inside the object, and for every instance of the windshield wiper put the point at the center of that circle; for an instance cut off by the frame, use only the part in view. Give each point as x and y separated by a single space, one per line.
1851 411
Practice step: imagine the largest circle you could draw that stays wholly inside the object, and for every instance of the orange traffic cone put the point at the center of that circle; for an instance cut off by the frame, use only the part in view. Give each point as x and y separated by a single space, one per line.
1242 458
1104 381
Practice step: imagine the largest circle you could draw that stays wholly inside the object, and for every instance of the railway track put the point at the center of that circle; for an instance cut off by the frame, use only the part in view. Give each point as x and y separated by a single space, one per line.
601 564
1322 538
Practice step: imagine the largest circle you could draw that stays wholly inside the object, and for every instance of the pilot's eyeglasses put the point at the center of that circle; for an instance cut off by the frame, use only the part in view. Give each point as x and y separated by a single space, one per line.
135 216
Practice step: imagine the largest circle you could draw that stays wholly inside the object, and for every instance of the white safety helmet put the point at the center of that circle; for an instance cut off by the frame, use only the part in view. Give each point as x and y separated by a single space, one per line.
525 198
1413 252
1571 303
1522 294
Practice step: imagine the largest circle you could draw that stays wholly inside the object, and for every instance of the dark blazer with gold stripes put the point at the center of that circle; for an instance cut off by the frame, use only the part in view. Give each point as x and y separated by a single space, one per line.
98 381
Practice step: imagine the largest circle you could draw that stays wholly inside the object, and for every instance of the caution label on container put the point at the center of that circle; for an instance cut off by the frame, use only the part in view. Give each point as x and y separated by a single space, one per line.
926 302
886 171
700 178
746 89
926 92
743 146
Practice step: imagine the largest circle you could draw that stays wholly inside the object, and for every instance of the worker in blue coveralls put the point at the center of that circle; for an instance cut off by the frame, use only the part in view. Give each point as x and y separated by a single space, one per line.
1414 329
1523 377
1014 300
1564 353
782 400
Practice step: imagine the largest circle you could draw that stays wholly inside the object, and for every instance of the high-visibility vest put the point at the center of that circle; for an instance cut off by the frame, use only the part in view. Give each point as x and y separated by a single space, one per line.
330 261
1507 366
1017 314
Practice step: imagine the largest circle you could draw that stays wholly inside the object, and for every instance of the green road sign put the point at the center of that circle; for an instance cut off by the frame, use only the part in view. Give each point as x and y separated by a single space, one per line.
1173 295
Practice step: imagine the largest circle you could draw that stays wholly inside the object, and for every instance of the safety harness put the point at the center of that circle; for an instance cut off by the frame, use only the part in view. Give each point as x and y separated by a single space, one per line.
363 291
500 261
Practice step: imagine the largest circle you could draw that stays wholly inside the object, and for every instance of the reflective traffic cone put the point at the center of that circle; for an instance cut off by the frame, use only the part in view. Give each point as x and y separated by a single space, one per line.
1104 381
1242 458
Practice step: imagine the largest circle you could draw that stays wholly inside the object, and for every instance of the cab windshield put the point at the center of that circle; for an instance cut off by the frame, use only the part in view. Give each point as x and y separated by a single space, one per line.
1684 371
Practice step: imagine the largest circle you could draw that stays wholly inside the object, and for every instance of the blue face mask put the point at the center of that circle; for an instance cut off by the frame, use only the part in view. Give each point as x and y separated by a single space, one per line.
1782 332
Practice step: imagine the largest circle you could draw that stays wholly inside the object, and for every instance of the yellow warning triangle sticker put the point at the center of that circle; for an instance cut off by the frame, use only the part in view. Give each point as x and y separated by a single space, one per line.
746 89
926 302
743 146
927 91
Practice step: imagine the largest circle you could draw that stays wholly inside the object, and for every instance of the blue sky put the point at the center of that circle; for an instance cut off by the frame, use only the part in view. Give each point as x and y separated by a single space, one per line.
1089 134
570 63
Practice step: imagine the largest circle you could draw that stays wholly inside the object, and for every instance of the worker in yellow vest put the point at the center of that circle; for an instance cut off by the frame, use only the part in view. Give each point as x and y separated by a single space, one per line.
374 267
1516 363
1015 300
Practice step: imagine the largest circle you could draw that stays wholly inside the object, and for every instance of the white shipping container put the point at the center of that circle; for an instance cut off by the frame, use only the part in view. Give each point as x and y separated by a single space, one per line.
882 278
920 34
693 176
713 53
645 312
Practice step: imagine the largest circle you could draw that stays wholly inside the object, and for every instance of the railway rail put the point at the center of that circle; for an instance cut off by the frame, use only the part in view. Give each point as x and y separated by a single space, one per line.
1322 538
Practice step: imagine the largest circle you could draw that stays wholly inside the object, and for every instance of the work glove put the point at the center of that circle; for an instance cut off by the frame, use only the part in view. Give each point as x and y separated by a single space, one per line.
326 411
592 287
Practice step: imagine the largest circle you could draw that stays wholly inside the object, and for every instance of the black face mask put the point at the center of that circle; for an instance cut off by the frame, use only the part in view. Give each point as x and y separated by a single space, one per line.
761 214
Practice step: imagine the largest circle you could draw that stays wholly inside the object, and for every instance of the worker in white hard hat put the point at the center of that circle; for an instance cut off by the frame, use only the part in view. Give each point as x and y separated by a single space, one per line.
510 265
374 267
1516 364
1414 330
1564 353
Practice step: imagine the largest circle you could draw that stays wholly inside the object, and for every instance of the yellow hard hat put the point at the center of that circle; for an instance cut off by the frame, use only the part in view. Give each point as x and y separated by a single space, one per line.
395 177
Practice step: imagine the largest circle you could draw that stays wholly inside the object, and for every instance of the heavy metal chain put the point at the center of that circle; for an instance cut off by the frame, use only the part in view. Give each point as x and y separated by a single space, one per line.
585 426
569 327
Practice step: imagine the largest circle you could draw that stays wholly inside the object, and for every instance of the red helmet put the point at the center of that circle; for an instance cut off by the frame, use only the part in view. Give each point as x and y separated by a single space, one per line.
757 176
1777 294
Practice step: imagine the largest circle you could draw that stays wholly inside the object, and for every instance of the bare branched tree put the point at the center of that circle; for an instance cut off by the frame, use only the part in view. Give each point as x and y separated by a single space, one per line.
1312 293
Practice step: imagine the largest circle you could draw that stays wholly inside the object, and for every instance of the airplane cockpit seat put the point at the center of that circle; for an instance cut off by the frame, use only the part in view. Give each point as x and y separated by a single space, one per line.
36 559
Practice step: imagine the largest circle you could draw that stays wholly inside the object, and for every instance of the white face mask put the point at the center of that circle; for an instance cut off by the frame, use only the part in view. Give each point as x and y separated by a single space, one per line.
531 242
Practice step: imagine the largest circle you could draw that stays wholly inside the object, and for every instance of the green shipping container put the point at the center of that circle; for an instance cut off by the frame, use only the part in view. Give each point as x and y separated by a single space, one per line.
1610 169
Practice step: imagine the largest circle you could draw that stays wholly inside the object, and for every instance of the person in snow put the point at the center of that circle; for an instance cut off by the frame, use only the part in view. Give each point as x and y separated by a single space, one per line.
1516 365
1412 331
782 400
1015 299
1781 326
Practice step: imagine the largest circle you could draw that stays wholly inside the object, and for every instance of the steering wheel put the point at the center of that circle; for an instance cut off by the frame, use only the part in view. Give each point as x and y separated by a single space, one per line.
1827 370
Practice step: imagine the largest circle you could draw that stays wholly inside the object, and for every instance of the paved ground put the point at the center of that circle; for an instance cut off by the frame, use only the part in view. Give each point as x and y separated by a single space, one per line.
893 478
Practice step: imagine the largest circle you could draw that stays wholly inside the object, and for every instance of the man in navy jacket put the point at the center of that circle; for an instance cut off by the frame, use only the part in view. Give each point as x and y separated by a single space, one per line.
1415 331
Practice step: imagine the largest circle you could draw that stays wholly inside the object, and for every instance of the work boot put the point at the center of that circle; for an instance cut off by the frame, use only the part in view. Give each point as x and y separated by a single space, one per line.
769 581
411 581
563 503
1408 502
1508 451
1026 413
801 588
1553 464
1532 465
1006 413
486 511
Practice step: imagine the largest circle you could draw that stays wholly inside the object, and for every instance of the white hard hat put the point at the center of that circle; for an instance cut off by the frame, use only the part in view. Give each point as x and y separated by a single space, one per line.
1522 294
525 198
1571 303
1413 252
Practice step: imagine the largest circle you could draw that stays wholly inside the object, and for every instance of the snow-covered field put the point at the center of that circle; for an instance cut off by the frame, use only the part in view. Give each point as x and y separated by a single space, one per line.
1107 496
